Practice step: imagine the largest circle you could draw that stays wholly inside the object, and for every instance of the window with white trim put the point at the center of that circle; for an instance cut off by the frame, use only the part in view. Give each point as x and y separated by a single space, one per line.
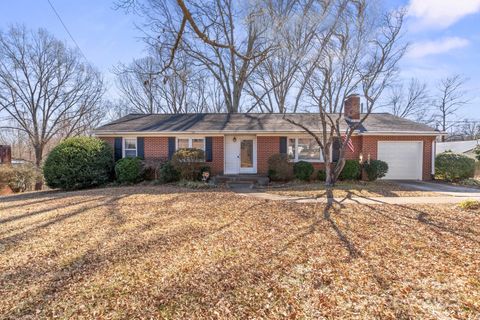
304 149
197 143
130 147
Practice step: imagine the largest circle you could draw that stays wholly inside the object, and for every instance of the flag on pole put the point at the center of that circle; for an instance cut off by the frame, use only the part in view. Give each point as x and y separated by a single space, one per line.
349 143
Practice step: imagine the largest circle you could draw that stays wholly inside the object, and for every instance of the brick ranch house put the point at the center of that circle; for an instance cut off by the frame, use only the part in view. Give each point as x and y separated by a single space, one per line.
241 143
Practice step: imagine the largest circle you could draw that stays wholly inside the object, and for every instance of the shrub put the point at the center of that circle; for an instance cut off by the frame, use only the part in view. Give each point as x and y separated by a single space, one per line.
351 170
470 182
303 170
451 166
152 168
477 152
194 184
78 163
321 175
187 162
129 170
279 168
469 205
375 169
21 178
168 173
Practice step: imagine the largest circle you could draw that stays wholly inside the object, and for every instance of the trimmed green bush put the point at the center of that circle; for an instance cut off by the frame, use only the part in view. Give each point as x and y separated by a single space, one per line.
129 170
188 162
376 169
351 170
279 168
168 173
78 163
451 166
321 175
303 170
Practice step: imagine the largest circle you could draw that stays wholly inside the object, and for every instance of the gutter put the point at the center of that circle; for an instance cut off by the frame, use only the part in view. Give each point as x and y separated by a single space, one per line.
259 133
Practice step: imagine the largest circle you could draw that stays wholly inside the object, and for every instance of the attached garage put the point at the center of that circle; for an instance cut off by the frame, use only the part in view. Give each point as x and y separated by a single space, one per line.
404 159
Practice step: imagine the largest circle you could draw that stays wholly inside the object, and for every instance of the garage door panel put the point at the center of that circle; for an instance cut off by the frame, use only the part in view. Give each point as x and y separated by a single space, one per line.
404 159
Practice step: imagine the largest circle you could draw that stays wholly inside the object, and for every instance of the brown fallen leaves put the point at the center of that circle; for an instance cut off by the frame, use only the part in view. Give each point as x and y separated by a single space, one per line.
161 252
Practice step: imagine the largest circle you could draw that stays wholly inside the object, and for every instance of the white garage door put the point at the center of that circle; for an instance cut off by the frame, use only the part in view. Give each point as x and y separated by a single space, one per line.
404 159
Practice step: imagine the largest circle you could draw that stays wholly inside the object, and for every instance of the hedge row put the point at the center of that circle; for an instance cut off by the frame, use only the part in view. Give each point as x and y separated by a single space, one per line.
84 162
280 168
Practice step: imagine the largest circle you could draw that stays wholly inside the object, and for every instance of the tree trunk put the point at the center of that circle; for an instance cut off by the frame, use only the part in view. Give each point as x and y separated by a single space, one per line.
38 164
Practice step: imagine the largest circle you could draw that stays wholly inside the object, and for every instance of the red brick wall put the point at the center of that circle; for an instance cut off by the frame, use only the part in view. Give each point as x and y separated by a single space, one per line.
157 148
370 144
218 155
266 146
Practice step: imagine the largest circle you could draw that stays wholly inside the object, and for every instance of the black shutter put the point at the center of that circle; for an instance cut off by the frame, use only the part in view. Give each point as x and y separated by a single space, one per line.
336 149
171 147
141 147
118 148
208 149
283 145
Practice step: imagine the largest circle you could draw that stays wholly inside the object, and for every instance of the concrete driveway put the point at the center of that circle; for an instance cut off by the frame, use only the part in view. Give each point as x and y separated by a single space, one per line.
440 188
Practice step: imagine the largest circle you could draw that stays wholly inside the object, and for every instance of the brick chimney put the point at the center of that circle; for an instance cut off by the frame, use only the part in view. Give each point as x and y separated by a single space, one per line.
5 154
352 107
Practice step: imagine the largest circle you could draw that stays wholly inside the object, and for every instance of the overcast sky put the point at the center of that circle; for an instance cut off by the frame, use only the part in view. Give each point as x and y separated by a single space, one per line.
444 36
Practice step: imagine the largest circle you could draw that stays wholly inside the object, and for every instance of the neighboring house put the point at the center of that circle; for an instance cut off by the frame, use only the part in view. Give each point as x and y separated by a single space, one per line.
464 147
5 154
242 143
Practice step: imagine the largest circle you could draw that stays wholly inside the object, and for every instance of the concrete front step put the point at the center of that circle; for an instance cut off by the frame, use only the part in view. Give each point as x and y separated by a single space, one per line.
240 179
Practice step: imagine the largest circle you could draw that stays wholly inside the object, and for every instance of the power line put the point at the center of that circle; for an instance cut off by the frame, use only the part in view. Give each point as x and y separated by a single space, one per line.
66 29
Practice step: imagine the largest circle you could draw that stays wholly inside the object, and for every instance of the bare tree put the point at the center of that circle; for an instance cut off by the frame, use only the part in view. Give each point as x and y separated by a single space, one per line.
231 44
138 85
451 96
356 57
294 25
45 89
412 102
467 130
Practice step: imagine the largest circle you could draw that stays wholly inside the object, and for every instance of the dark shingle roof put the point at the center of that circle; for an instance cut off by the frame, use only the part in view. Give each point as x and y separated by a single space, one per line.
248 122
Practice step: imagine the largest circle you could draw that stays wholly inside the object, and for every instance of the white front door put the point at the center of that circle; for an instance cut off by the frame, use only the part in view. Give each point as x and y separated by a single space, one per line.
404 159
240 154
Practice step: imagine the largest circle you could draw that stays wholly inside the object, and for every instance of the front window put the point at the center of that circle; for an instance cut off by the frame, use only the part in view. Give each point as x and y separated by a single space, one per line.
130 147
182 143
197 143
306 149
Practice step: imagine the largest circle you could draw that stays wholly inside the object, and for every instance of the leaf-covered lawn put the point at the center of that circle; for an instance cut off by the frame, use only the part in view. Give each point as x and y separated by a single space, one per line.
347 189
161 252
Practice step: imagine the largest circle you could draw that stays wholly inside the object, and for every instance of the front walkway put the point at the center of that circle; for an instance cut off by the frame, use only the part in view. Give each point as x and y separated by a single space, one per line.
448 194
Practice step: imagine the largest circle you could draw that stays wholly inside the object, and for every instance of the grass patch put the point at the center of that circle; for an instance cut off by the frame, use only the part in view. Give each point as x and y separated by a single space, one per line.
164 252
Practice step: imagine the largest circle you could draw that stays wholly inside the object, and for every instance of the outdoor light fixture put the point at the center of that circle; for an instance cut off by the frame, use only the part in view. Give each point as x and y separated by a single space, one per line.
361 158
234 139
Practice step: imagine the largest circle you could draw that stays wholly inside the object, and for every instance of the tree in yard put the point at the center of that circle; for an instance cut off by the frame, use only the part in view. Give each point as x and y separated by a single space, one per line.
225 38
359 57
45 89
295 25
412 102
451 96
